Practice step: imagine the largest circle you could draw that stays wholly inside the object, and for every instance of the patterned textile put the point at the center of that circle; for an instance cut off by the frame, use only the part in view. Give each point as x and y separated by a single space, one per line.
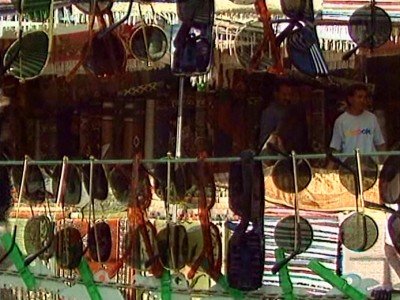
335 9
324 248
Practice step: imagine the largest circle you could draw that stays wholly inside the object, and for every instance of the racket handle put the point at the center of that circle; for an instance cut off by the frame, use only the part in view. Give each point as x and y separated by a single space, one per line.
280 264
350 53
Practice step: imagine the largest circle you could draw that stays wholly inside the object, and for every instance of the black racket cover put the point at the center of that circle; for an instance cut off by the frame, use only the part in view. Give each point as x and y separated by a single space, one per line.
73 191
246 260
369 170
389 180
246 249
173 245
120 182
69 248
106 57
100 183
136 255
282 175
35 190
104 242
193 42
5 194
394 231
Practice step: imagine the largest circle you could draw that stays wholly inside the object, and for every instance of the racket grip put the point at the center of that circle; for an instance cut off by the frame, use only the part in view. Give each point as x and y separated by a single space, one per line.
350 53
280 264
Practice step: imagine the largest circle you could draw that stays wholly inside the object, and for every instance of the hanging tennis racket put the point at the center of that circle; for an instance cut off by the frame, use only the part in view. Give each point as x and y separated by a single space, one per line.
348 168
73 192
35 190
99 234
305 53
302 42
102 8
210 262
140 240
148 42
369 27
99 184
358 232
256 48
68 241
28 55
293 234
389 180
104 53
193 42
282 172
246 246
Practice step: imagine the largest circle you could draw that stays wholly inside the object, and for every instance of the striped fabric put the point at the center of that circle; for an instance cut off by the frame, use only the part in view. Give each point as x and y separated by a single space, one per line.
335 9
324 248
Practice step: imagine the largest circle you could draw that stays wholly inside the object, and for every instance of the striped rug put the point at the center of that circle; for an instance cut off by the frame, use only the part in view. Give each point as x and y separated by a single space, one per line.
343 9
324 248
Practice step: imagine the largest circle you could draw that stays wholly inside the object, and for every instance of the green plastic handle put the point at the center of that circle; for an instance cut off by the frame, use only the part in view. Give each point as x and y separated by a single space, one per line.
166 285
87 278
235 294
336 281
284 277
18 260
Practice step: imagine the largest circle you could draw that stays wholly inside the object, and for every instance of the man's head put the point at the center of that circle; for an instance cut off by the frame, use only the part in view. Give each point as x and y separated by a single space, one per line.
283 92
357 98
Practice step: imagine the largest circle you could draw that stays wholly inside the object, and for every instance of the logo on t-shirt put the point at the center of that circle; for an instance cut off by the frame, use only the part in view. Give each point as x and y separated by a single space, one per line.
356 132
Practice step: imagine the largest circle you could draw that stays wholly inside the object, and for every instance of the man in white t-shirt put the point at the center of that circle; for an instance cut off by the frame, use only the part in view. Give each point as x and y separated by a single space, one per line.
357 127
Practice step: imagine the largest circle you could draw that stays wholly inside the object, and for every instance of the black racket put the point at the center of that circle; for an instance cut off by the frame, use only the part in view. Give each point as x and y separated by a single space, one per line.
282 172
99 234
305 53
369 27
348 170
358 232
293 234
29 55
69 248
67 241
246 246
119 180
34 187
193 42
298 9
389 180
100 183
174 240
73 183
105 56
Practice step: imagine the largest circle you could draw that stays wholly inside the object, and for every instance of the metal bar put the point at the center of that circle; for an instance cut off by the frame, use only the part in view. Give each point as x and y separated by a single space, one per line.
164 160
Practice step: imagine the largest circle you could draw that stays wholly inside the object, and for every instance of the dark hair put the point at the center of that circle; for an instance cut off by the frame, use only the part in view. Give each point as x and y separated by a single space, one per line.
351 90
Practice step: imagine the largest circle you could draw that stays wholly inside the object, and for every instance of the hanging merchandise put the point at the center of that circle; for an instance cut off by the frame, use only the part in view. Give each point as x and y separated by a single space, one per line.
256 49
293 234
302 40
28 55
193 42
104 53
358 232
369 27
246 245
148 42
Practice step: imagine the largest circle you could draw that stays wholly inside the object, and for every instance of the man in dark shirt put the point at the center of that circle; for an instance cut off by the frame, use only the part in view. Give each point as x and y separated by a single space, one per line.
284 122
